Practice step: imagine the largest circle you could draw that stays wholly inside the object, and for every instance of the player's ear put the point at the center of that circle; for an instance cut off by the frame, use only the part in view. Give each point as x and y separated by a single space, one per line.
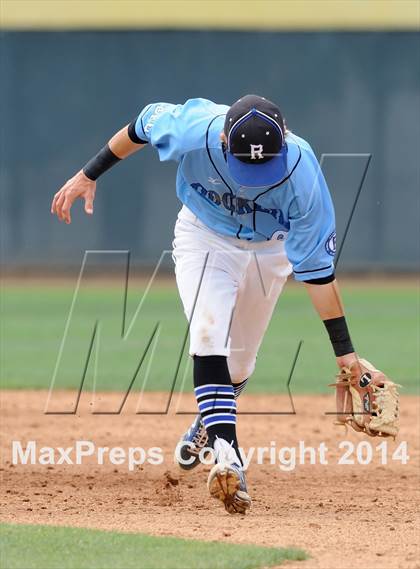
223 137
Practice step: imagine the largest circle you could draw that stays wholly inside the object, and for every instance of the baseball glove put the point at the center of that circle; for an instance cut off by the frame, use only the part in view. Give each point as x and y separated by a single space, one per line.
367 400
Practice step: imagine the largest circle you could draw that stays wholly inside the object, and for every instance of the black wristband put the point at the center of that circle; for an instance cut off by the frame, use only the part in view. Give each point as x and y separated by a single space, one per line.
100 163
339 336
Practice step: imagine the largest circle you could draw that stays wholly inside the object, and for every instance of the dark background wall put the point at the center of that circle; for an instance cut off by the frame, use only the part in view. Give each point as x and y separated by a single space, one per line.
63 94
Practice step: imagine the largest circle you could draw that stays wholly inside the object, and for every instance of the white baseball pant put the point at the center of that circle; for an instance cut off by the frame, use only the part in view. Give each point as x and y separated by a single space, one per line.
229 288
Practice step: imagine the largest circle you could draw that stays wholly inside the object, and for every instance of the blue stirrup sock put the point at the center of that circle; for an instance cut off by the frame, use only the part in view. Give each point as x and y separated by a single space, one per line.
216 399
239 387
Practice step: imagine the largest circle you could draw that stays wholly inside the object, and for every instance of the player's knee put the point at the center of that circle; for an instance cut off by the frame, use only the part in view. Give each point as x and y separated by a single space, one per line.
208 339
206 344
240 369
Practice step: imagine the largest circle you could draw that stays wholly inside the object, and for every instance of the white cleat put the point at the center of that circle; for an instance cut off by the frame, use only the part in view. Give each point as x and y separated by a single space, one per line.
226 482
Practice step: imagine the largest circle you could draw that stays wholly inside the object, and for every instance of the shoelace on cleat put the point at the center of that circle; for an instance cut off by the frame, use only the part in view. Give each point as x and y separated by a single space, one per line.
200 438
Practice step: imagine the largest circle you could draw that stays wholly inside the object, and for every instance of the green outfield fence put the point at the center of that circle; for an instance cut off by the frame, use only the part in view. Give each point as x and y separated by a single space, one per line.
63 94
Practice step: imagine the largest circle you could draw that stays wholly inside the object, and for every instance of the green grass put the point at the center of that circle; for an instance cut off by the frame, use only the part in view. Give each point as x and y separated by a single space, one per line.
384 323
48 547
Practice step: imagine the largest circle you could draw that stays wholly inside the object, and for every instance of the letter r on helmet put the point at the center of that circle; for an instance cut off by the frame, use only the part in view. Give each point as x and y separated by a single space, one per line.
256 151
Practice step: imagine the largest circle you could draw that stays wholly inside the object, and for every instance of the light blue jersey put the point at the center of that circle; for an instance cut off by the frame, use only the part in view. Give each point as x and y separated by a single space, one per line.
298 210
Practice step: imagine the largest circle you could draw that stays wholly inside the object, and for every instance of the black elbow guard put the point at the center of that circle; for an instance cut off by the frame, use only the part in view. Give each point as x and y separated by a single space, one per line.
132 134
322 280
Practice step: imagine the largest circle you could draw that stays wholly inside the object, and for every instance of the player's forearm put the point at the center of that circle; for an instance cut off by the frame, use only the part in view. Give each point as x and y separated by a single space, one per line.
327 302
121 145
326 299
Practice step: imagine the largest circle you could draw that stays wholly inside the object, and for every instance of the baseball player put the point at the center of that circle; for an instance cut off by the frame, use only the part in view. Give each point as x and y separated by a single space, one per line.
256 208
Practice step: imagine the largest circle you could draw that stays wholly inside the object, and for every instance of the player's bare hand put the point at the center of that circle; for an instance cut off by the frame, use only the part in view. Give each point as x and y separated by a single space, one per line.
347 360
80 186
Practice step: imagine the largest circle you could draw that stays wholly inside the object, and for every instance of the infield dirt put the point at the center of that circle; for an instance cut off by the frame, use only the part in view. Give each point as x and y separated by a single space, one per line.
344 516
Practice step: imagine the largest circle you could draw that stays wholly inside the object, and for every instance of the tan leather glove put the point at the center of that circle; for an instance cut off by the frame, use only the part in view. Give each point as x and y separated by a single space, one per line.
367 400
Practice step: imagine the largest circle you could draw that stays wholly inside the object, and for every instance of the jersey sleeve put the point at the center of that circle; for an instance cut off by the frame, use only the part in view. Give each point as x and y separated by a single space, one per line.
311 242
149 128
173 130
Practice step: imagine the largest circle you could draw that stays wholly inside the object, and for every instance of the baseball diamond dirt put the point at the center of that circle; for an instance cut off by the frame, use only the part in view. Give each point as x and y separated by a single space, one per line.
343 515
